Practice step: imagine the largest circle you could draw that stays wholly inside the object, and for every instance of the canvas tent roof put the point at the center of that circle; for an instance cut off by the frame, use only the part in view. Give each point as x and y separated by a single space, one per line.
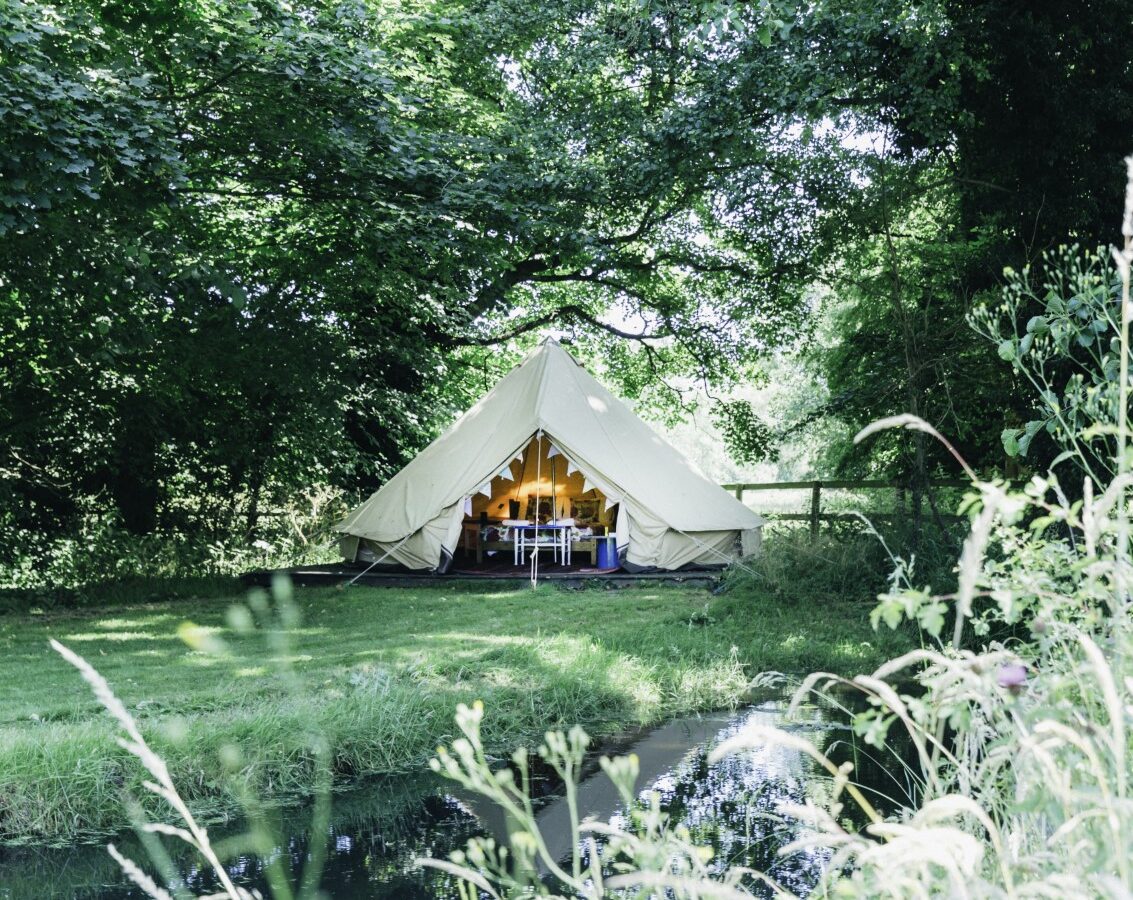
418 512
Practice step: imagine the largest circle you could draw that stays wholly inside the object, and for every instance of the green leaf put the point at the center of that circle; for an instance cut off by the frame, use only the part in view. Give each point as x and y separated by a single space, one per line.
930 616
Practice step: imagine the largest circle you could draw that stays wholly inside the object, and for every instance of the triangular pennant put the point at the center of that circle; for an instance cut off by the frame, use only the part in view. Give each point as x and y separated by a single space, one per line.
586 485
468 506
485 489
505 473
553 452
571 467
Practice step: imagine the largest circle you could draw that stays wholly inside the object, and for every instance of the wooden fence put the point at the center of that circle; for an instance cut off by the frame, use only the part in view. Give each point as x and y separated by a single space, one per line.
815 517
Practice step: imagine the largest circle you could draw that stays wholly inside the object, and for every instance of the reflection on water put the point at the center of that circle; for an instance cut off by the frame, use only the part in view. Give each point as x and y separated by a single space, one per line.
735 806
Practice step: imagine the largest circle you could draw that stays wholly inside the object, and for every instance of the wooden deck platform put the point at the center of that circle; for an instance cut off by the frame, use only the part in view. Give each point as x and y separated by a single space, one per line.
565 576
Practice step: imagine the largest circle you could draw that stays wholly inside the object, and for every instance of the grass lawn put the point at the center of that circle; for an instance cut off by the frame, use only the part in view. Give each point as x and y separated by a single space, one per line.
378 672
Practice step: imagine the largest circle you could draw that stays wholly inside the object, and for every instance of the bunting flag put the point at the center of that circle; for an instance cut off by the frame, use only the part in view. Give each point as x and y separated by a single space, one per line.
571 467
586 485
553 451
485 489
468 506
505 473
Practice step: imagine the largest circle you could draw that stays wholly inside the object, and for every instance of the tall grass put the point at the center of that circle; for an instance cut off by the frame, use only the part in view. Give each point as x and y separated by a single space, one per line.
62 780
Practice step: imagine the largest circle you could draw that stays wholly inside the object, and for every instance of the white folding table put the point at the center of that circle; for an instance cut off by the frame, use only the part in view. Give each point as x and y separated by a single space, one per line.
539 537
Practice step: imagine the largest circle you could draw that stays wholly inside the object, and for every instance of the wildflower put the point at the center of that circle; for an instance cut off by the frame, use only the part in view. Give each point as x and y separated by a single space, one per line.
1012 676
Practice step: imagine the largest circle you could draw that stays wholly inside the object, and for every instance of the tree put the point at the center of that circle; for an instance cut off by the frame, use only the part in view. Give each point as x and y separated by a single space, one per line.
250 247
1015 149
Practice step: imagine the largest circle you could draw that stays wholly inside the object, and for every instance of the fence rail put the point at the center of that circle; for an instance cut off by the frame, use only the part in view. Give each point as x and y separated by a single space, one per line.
816 517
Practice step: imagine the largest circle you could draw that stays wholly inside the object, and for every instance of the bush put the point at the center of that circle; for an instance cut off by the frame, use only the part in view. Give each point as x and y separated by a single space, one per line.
848 564
102 558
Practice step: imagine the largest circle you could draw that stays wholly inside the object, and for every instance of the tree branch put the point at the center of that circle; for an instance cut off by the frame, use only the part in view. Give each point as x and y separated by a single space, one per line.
567 313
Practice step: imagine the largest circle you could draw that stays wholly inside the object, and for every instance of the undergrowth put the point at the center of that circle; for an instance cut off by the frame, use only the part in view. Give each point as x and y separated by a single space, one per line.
844 564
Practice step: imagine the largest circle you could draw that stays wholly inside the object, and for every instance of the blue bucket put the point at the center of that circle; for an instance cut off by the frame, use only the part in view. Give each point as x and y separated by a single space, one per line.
607 553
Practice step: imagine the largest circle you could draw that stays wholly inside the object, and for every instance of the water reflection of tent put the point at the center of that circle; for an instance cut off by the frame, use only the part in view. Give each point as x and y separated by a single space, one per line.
548 431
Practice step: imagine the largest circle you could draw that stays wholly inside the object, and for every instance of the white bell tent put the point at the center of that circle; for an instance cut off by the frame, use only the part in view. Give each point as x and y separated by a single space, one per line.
549 438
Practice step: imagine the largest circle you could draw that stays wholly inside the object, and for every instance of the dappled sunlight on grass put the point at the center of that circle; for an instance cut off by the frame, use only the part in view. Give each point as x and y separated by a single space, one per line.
136 622
118 636
296 633
291 660
862 649
379 671
203 660
492 639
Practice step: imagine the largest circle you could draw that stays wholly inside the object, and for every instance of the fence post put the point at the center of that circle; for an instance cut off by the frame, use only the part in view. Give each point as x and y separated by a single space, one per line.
815 497
739 491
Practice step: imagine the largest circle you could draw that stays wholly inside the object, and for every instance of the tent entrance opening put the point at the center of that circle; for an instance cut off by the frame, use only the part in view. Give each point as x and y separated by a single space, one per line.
542 503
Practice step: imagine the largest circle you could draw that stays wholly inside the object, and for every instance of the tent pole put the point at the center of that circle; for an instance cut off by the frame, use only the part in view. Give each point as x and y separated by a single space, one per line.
538 477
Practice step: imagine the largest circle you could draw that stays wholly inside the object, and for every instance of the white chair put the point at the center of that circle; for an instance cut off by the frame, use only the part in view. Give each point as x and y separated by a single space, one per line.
516 530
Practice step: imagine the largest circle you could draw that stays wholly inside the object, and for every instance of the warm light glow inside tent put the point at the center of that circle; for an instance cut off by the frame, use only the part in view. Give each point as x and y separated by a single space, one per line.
542 485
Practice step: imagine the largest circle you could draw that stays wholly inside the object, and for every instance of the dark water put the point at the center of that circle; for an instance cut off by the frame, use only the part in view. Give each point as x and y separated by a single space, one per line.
735 806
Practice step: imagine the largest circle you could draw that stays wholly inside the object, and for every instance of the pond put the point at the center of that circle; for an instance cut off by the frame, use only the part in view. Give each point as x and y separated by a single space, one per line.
377 832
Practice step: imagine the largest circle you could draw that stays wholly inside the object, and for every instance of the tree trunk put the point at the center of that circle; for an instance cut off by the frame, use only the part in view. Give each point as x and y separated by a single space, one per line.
133 484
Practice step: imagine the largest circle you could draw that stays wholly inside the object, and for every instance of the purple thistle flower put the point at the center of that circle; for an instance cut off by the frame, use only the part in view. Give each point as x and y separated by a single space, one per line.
1012 676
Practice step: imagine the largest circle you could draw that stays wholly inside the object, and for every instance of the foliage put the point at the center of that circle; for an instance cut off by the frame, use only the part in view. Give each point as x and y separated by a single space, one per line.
1029 795
99 558
250 248
798 570
746 436
902 338
848 562
1047 110
1069 351
978 173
